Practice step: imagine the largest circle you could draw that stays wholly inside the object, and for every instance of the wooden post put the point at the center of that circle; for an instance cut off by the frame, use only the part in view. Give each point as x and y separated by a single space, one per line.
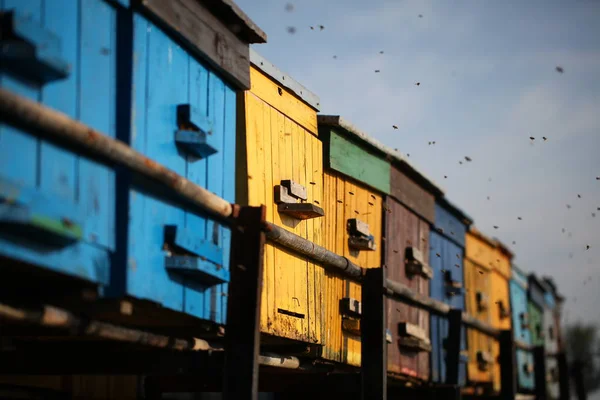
453 346
242 335
539 361
577 373
508 376
564 376
374 344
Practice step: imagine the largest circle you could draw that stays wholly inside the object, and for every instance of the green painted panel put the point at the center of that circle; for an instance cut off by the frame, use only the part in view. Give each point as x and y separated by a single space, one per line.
351 159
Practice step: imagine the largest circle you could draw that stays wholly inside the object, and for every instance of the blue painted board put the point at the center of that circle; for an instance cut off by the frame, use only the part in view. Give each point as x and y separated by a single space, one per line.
84 38
183 80
451 226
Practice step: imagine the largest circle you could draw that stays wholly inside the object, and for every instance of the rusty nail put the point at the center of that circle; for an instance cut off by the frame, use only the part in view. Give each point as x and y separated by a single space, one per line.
242 267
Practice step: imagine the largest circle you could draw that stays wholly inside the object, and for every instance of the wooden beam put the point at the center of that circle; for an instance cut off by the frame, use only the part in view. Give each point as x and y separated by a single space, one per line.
321 255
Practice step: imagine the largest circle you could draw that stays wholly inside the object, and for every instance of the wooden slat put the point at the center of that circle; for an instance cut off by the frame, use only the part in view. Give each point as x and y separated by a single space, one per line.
281 99
204 36
412 195
350 159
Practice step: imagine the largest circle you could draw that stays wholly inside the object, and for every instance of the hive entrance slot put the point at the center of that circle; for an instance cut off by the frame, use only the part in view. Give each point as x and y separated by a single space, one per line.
290 313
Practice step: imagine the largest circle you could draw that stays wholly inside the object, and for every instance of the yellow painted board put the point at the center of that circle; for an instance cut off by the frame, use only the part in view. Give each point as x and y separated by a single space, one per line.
282 100
278 147
503 264
345 199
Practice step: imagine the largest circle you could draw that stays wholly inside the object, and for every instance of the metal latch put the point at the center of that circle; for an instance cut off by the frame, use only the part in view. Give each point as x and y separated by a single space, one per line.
552 375
482 301
453 287
350 306
415 263
195 132
359 236
30 50
287 195
413 337
528 368
484 359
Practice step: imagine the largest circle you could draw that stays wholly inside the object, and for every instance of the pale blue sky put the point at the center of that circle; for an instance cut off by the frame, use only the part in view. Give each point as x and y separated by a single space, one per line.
488 82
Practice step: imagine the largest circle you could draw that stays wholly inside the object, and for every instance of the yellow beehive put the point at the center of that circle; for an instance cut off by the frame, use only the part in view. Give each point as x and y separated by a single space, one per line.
278 140
479 261
500 298
350 194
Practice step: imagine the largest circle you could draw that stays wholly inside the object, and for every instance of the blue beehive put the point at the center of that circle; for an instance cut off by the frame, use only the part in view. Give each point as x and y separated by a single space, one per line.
521 329
447 243
167 91
57 210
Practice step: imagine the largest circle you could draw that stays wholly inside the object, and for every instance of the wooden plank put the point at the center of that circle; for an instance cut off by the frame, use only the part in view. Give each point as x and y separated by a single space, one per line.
310 229
350 159
204 36
281 99
299 272
232 16
412 195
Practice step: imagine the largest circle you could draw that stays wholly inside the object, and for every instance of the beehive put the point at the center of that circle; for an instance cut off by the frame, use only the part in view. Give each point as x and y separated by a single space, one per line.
446 256
500 299
551 343
480 253
356 177
521 328
162 89
280 156
409 212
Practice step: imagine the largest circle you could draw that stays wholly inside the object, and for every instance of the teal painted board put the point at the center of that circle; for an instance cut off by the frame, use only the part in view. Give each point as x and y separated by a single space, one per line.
521 323
349 158
81 37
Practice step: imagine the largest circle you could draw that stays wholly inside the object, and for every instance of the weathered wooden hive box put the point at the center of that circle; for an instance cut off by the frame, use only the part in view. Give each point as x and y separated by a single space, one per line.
161 77
500 299
551 343
521 329
280 165
409 212
535 309
356 177
447 251
480 252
